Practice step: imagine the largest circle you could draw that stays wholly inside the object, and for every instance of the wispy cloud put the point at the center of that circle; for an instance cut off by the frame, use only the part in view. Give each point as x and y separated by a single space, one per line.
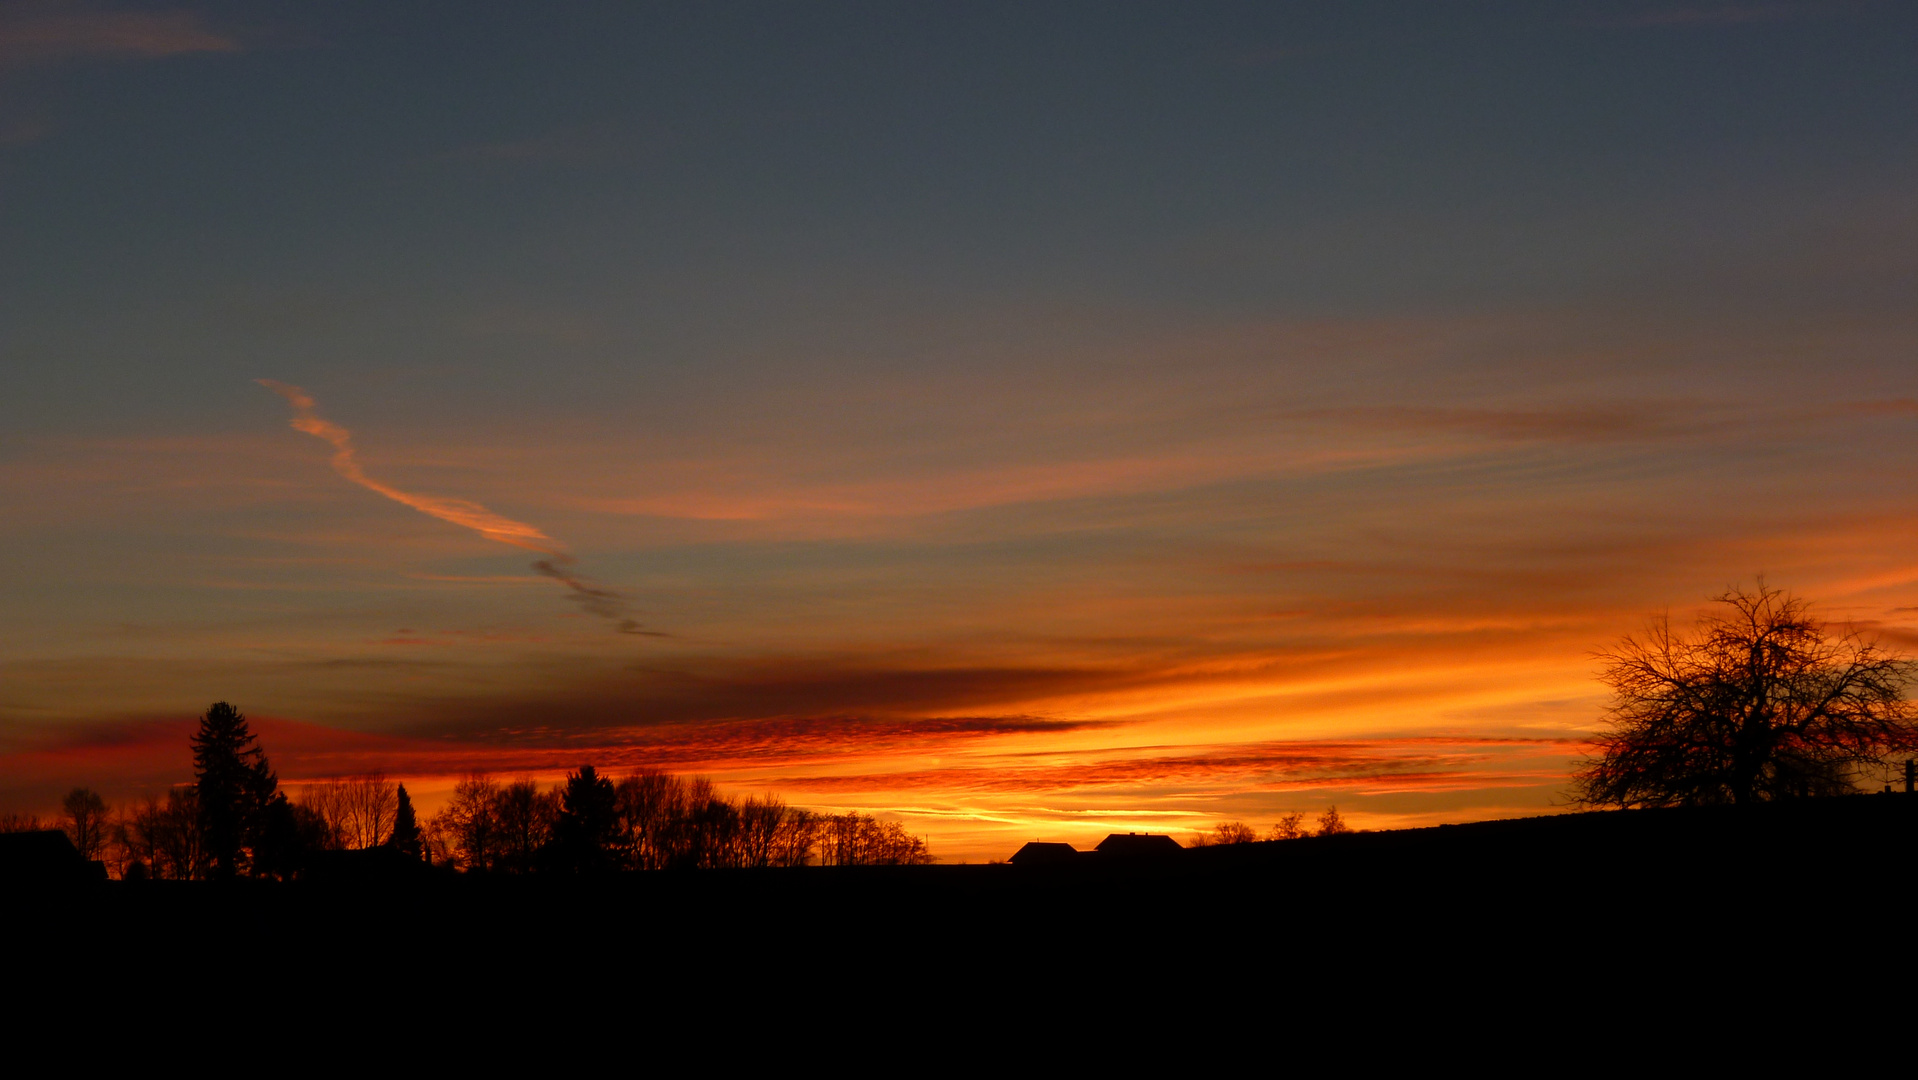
41 32
461 512
595 598
746 706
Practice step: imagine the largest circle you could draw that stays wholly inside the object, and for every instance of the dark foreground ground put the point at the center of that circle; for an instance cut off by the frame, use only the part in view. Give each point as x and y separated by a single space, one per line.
1522 911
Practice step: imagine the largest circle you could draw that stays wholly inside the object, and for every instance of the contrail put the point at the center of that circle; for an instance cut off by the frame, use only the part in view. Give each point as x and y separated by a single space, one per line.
595 598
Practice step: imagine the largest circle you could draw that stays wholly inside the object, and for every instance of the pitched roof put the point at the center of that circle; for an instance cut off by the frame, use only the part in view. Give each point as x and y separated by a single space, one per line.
1138 845
1037 852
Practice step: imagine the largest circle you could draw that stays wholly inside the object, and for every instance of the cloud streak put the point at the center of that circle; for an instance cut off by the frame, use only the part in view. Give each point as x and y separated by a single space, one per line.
461 512
593 597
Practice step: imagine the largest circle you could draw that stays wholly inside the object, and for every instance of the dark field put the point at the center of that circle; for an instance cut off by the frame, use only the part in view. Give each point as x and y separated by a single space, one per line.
1525 895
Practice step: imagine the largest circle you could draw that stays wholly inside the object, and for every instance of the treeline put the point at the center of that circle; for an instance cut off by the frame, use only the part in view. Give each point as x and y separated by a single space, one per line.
1289 827
650 820
236 821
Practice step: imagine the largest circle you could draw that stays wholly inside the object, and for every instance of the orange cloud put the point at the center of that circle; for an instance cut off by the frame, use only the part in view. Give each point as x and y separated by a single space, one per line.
593 597
461 512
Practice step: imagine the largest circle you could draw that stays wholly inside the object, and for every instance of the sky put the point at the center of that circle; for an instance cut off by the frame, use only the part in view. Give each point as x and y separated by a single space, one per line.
1024 422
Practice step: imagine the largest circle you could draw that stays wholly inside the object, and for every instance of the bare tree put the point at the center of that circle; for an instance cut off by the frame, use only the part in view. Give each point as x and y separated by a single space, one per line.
87 822
760 818
165 836
439 841
327 802
1232 832
1760 701
471 819
798 835
525 816
368 804
136 834
646 803
714 823
1290 827
855 839
1331 823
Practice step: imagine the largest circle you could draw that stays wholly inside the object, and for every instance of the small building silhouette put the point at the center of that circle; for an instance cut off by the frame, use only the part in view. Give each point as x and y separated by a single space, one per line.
45 857
1035 853
1138 846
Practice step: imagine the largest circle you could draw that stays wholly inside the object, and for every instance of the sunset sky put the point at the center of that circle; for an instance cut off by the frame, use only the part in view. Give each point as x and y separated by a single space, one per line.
1022 421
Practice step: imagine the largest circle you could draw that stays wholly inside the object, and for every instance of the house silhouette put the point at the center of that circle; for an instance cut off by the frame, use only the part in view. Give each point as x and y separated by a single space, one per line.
1115 846
1138 846
45 857
1035 853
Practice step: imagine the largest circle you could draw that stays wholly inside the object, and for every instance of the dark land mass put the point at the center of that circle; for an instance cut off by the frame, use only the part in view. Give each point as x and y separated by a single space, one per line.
1645 895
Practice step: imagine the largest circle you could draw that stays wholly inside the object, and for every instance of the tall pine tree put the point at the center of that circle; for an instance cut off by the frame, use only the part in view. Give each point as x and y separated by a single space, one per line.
235 785
588 815
406 826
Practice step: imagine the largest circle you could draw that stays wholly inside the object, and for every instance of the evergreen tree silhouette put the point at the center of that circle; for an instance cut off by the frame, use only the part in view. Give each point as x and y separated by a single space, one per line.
235 785
406 827
588 818
279 850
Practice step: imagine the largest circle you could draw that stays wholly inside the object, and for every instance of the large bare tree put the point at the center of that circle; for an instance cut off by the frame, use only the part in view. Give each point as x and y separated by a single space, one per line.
358 811
1759 701
86 821
471 820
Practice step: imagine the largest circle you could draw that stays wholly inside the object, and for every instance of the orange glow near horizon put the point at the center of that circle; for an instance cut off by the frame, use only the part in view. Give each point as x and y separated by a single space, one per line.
1425 666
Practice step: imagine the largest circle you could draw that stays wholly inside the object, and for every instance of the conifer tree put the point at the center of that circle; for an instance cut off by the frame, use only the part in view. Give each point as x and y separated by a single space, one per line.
588 818
235 785
406 827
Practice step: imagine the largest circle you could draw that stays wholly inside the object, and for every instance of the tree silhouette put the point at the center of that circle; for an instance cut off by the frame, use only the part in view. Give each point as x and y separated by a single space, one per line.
471 819
289 833
1760 702
166 836
588 821
1331 823
406 827
759 820
1231 832
646 801
525 818
235 785
86 822
1290 827
367 805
